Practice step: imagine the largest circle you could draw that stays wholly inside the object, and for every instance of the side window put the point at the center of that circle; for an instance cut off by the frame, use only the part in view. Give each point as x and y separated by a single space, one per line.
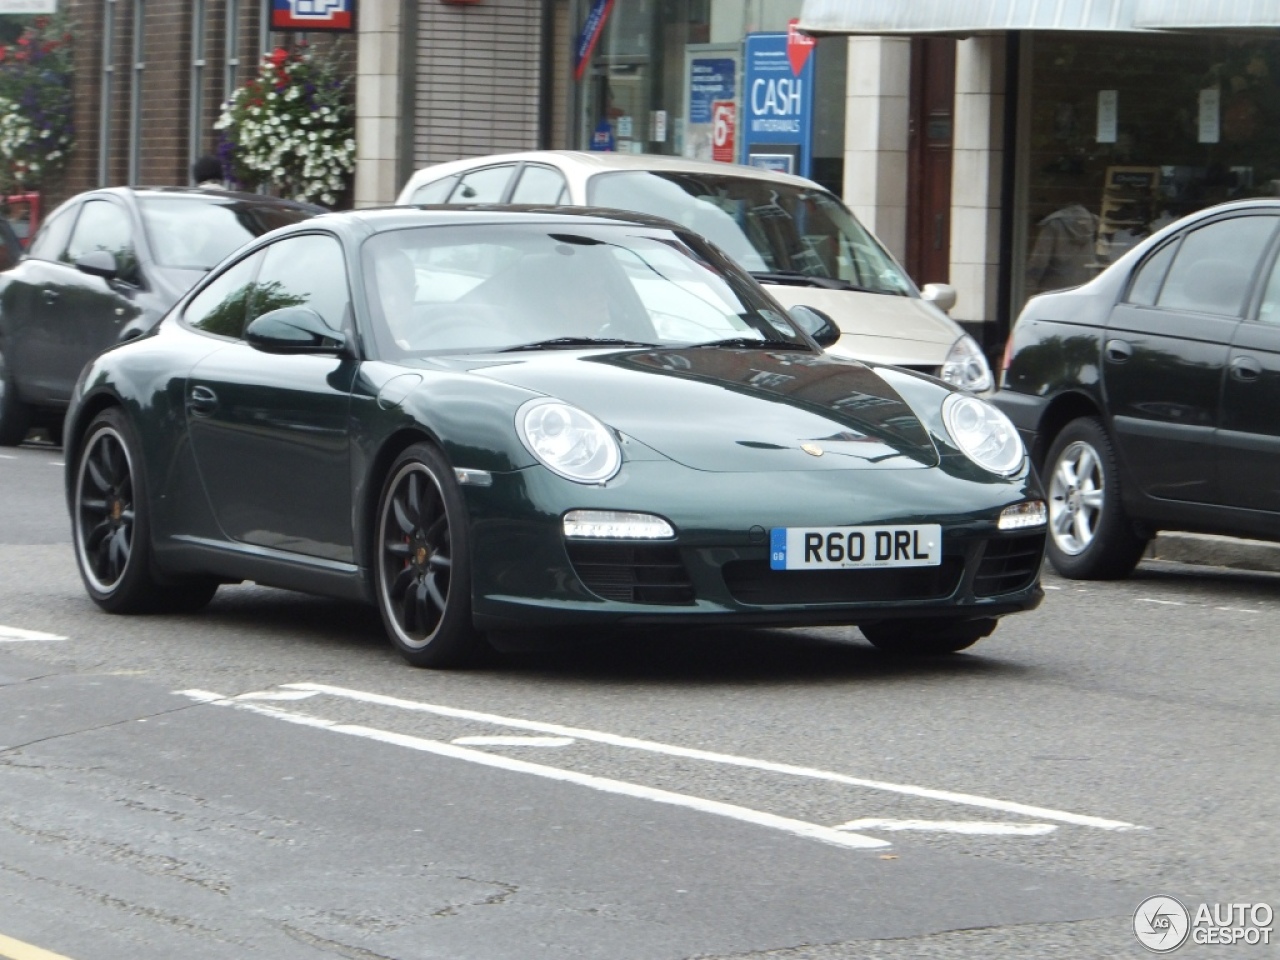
303 271
1145 287
221 307
51 241
435 192
1269 311
1215 265
539 184
103 225
483 186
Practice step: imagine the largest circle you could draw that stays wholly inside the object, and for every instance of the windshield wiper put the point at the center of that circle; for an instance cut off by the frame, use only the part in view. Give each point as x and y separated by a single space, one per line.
568 343
794 278
752 342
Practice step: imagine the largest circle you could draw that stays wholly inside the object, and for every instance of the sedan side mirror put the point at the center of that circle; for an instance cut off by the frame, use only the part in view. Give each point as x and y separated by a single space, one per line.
293 330
941 295
99 263
816 324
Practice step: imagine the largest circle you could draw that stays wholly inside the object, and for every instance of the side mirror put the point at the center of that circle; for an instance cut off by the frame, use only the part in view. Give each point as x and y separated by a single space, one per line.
941 295
99 263
293 330
816 324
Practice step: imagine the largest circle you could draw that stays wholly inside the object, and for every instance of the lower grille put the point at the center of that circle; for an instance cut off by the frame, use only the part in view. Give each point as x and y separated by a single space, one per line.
632 572
1008 564
754 582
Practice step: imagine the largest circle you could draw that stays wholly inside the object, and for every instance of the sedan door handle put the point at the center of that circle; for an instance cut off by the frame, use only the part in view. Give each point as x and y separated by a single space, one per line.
1118 351
1245 369
202 401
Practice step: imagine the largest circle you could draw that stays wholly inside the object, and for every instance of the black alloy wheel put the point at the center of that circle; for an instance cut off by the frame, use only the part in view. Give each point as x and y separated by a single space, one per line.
1090 537
15 416
926 637
424 563
111 528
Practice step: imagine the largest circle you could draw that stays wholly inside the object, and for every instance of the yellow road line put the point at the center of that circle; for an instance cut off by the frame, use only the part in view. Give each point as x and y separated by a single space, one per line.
17 950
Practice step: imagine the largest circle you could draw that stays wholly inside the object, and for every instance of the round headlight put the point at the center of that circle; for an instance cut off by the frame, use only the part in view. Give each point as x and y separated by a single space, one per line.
966 366
568 441
986 435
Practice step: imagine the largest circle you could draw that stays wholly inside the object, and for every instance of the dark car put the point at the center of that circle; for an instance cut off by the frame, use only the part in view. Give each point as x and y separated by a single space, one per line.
10 245
103 268
1150 396
492 419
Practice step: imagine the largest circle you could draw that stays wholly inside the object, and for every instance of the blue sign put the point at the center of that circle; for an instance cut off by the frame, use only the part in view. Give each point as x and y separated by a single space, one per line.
602 137
589 36
709 80
777 103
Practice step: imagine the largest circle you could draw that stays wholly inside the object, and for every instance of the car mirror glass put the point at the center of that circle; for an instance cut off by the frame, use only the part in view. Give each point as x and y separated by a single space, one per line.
293 330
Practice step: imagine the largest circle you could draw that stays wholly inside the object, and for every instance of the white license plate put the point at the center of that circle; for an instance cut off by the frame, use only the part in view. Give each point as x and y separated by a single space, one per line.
840 548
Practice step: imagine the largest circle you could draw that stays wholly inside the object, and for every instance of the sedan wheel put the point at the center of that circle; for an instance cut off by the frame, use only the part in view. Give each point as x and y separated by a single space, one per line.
1090 538
15 416
111 528
424 564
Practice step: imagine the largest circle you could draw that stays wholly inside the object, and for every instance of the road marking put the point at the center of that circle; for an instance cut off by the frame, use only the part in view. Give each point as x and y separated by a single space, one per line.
17 950
513 741
56 463
7 456
971 827
797 827
1236 610
18 635
1167 603
925 793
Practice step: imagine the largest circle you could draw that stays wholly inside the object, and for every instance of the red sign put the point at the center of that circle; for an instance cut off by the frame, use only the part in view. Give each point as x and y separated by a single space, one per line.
799 47
724 117
319 16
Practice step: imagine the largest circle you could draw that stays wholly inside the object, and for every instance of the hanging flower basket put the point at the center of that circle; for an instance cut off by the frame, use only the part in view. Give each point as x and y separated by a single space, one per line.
35 106
292 128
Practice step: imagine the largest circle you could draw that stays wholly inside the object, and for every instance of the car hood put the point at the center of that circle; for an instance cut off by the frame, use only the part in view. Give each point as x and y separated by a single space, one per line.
877 327
734 410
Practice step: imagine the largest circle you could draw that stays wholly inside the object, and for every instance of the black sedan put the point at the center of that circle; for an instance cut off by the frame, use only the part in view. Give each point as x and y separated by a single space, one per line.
1149 396
104 267
491 419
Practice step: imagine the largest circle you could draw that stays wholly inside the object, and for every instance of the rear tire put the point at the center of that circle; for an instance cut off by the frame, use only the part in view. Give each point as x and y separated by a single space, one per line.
15 416
1090 536
423 563
926 637
111 526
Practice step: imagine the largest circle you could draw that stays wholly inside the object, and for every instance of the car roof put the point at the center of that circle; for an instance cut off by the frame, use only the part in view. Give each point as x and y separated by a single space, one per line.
206 193
392 218
590 162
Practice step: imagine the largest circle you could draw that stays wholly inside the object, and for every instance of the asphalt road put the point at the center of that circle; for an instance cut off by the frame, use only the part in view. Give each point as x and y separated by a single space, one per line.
267 779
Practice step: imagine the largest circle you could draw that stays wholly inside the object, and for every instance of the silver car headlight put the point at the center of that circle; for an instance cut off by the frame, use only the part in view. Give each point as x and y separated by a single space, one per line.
966 366
984 434
568 441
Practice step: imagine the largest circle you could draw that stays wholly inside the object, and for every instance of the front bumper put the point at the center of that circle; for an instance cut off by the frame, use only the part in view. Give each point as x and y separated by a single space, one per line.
525 574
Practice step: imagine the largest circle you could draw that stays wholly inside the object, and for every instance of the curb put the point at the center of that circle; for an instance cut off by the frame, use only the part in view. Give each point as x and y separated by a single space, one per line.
1209 550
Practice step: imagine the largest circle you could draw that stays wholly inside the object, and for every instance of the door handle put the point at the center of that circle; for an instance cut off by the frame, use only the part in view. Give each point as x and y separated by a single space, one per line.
49 296
202 401
1118 351
1245 369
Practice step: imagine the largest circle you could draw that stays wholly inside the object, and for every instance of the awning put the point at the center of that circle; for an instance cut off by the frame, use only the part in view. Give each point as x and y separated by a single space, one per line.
1207 14
969 17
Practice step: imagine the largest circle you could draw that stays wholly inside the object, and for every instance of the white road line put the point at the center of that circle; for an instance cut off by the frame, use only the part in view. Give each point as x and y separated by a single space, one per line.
7 456
1167 603
926 793
971 827
1236 610
56 463
797 827
513 741
18 635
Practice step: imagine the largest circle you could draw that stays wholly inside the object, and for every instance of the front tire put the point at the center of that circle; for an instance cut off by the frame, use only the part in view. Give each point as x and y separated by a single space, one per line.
1090 537
423 563
111 526
15 416
926 637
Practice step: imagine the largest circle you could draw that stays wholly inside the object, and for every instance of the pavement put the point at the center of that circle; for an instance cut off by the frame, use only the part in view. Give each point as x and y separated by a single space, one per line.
1209 550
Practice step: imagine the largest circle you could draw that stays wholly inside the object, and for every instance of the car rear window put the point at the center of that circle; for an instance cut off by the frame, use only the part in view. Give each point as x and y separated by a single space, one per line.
194 232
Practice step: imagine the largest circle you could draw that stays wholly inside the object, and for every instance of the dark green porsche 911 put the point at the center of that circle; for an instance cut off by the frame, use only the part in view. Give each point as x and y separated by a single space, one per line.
493 419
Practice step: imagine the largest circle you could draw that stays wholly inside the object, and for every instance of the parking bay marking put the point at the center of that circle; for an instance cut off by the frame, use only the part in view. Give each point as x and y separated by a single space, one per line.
650 746
759 818
17 950
18 635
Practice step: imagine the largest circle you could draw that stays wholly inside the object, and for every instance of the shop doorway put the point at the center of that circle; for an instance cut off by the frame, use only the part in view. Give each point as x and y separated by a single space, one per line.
931 119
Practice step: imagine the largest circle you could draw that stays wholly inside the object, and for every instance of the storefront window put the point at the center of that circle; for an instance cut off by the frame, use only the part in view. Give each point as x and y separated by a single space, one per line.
1128 133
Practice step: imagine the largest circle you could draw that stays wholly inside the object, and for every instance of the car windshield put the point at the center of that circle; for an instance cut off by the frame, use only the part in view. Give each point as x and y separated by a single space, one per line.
547 286
194 232
784 233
